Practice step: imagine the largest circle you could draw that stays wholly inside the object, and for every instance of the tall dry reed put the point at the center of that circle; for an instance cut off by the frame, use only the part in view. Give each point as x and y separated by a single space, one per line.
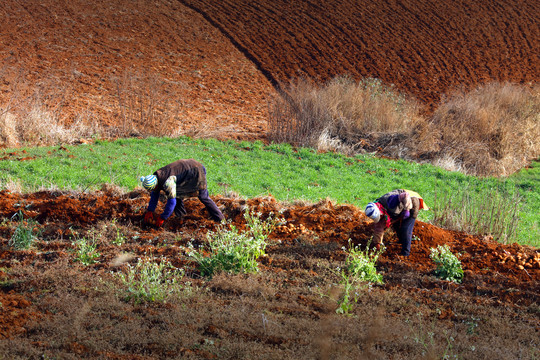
492 212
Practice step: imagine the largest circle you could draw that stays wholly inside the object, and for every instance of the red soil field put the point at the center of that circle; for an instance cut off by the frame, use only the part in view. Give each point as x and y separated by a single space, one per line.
218 60
323 229
426 48
76 57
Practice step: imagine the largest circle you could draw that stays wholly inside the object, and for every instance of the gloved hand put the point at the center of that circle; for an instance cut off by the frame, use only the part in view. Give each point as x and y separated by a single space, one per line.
149 217
406 214
159 221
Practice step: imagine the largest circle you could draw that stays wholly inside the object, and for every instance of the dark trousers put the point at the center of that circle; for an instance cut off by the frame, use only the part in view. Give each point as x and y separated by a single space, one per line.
404 231
210 205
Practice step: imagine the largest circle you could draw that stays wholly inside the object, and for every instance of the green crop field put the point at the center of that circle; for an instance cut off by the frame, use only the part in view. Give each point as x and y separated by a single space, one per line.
251 169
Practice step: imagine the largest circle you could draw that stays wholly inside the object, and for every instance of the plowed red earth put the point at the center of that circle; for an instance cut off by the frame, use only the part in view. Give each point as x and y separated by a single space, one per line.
77 57
426 48
488 279
219 59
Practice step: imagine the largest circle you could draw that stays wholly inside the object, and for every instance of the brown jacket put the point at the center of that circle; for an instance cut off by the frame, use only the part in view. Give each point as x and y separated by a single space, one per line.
181 179
401 206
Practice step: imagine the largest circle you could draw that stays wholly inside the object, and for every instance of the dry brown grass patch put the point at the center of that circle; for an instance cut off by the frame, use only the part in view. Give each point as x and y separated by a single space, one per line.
341 112
493 130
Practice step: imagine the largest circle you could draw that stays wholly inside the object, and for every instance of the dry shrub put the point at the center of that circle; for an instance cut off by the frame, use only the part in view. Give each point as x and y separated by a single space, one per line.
493 130
342 115
33 113
145 107
35 127
8 129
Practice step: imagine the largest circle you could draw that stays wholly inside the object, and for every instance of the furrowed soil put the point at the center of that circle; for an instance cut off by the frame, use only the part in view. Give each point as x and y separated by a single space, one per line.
215 64
54 306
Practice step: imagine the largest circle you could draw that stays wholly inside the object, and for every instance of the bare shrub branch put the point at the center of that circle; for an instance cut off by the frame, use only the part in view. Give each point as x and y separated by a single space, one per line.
144 106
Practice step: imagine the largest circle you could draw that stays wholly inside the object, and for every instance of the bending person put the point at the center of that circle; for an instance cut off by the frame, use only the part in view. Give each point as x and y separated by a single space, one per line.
398 209
179 180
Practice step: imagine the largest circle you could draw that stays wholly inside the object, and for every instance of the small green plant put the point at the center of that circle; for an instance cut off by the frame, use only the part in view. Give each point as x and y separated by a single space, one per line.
151 280
23 237
119 238
448 265
347 301
86 251
359 267
426 338
472 325
233 251
360 264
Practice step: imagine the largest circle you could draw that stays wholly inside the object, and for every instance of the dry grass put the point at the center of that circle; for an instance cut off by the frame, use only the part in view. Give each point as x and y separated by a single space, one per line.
259 316
490 212
341 114
493 130
35 116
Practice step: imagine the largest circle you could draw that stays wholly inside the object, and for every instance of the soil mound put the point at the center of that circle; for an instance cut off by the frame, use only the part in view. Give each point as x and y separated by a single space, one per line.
495 274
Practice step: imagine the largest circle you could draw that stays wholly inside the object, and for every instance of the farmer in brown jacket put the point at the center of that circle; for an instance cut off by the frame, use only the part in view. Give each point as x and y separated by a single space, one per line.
398 208
179 180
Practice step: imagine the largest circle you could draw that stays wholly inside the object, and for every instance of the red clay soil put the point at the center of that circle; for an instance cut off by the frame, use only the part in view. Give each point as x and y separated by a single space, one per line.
424 47
493 274
219 59
76 57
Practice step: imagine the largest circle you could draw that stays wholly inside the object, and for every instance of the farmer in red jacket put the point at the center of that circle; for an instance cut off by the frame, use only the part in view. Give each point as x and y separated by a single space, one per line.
179 180
399 209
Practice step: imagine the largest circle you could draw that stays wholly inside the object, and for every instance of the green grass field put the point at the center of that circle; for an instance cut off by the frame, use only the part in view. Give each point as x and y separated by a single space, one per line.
251 169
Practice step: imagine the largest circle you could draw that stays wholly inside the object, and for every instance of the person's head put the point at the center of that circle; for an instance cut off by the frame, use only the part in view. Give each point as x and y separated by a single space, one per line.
373 212
405 199
149 182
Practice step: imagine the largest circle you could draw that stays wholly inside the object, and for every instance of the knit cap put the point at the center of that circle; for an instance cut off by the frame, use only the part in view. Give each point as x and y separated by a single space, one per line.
373 212
149 182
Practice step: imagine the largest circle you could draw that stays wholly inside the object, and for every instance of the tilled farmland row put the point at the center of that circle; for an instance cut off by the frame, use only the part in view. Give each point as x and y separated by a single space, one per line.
425 48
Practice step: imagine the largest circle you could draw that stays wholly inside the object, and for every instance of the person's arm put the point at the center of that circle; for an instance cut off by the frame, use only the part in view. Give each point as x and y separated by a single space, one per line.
170 191
415 207
154 198
169 208
405 204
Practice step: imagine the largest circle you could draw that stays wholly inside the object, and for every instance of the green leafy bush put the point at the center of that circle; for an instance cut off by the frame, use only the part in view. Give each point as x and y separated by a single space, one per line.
448 265
233 251
86 251
151 281
360 264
